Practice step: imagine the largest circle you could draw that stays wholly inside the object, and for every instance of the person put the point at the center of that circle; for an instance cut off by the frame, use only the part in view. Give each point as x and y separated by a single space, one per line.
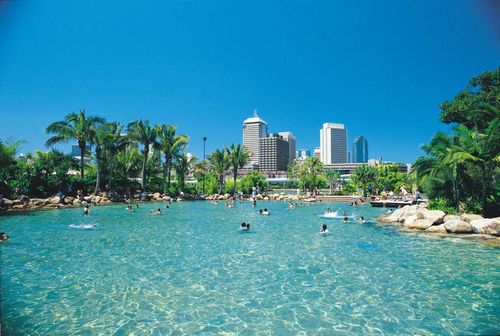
254 202
243 226
260 212
345 219
86 210
361 219
324 229
329 210
167 206
418 195
248 226
158 212
265 212
3 236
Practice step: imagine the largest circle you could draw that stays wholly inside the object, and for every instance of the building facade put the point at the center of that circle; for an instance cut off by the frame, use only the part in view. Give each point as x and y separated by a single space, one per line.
360 150
254 128
303 153
333 143
273 153
317 152
292 144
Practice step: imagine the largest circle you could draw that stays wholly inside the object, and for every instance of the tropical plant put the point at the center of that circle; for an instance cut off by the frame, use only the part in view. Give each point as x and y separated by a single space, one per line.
333 178
182 166
253 179
114 143
238 157
172 146
219 160
306 172
99 139
142 132
75 126
364 176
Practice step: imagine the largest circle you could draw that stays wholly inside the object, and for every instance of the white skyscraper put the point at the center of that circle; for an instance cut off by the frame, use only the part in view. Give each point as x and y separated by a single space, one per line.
253 129
290 138
333 143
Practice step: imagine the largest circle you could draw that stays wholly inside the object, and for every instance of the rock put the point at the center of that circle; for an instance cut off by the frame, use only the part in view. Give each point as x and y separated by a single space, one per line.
166 198
76 201
437 216
68 200
227 196
157 196
38 201
410 219
266 198
489 226
54 200
18 206
85 203
451 217
179 199
421 213
420 224
221 198
470 217
97 199
8 202
108 201
436 229
457 226
259 197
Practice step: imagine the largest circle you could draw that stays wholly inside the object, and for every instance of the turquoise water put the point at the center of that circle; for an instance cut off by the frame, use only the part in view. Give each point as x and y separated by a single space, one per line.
190 271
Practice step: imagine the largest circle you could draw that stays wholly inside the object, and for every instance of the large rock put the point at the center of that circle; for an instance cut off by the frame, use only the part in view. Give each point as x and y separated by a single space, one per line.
76 201
227 196
221 198
436 229
436 216
38 201
259 197
458 226
54 200
8 202
166 198
451 217
489 226
470 217
68 200
157 196
410 219
420 224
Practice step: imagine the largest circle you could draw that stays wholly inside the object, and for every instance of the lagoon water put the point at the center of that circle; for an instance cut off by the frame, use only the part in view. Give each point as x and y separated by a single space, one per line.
190 271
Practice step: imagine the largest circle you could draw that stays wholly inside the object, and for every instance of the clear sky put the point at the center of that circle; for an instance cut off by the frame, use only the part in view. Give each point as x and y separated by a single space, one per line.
379 67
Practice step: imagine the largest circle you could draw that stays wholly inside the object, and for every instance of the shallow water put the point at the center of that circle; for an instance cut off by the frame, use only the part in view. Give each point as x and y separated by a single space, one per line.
190 271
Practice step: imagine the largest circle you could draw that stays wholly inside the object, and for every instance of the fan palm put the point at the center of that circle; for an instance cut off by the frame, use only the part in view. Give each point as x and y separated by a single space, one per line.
182 166
75 126
238 157
219 160
171 145
115 143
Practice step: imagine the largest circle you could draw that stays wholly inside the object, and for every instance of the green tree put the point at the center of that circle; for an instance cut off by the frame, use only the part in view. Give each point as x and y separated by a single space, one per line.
171 145
114 143
238 157
306 172
389 177
75 126
333 178
219 160
99 139
253 179
364 176
142 132
182 166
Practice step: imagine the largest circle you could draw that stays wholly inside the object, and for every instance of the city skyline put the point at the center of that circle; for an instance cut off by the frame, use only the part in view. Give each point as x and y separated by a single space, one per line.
382 75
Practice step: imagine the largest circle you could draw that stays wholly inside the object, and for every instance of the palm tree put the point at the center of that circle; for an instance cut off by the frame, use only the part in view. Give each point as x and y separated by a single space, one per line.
143 133
182 166
364 175
171 145
74 126
115 143
238 157
333 178
98 140
219 160
129 160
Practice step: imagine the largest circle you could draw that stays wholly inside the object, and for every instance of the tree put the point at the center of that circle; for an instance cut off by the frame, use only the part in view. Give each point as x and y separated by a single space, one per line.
333 178
364 176
99 138
219 160
238 157
75 126
128 162
389 177
182 167
114 143
306 172
253 179
143 133
171 145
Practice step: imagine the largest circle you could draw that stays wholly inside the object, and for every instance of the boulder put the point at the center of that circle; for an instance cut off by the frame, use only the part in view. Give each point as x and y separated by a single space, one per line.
38 201
436 216
451 217
167 198
266 198
227 196
157 196
8 202
470 217
489 226
436 229
421 213
18 206
221 198
420 224
76 201
68 200
259 197
54 200
410 219
457 226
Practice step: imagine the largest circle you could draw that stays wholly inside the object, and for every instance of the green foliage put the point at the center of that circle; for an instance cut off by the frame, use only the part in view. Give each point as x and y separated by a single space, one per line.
389 177
443 204
250 180
211 183
307 173
238 157
364 177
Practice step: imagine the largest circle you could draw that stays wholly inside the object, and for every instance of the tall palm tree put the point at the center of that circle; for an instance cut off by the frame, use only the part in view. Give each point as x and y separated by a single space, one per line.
364 175
129 160
75 126
182 166
238 157
115 143
143 133
98 140
171 145
219 160
333 178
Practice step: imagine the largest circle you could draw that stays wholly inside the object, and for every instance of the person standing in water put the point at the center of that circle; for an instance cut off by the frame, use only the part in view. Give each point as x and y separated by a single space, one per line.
86 210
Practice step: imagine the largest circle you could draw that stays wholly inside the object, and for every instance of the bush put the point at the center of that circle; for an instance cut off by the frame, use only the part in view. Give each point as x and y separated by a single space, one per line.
443 204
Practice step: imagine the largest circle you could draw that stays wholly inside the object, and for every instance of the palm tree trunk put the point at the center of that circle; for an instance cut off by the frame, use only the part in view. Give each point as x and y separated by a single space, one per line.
484 189
144 162
82 158
221 179
98 169
110 173
164 177
235 175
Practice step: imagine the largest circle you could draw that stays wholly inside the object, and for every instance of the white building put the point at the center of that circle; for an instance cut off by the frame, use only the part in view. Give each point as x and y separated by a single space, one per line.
317 152
333 143
253 129
292 147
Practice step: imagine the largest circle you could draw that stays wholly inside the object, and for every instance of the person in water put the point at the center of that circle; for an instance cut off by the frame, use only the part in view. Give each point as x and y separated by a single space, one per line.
260 212
361 219
265 212
345 219
243 226
158 212
86 210
3 236
248 226
324 229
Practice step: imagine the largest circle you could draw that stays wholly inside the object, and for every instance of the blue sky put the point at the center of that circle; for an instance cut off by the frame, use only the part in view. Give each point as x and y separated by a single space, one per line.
379 67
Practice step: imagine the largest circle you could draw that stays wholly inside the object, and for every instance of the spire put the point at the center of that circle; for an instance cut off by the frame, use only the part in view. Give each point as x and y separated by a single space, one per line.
255 113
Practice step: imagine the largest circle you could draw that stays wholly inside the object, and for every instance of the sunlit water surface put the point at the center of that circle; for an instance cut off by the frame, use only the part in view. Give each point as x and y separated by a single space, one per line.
190 271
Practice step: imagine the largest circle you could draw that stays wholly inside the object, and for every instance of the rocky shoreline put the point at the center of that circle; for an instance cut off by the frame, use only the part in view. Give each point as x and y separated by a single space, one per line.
417 219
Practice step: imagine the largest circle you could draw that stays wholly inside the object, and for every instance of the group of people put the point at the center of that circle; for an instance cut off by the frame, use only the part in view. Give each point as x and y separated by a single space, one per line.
264 212
245 226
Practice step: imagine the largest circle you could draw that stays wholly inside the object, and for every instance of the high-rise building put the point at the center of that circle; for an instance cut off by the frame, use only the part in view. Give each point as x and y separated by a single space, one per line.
303 153
290 138
360 150
317 152
333 143
273 153
253 129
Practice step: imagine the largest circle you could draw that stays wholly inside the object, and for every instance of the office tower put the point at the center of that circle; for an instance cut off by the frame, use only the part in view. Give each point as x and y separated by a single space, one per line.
253 129
273 153
317 152
303 153
360 150
333 143
290 138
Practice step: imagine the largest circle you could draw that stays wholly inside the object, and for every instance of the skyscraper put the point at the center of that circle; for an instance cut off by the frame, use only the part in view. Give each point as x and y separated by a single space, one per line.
290 138
253 129
360 150
273 153
333 143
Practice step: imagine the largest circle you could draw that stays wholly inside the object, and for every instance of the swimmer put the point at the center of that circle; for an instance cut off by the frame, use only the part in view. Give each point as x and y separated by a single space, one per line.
248 226
345 219
243 226
167 206
86 210
3 236
324 229
265 212
361 219
260 212
137 205
152 212
158 212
